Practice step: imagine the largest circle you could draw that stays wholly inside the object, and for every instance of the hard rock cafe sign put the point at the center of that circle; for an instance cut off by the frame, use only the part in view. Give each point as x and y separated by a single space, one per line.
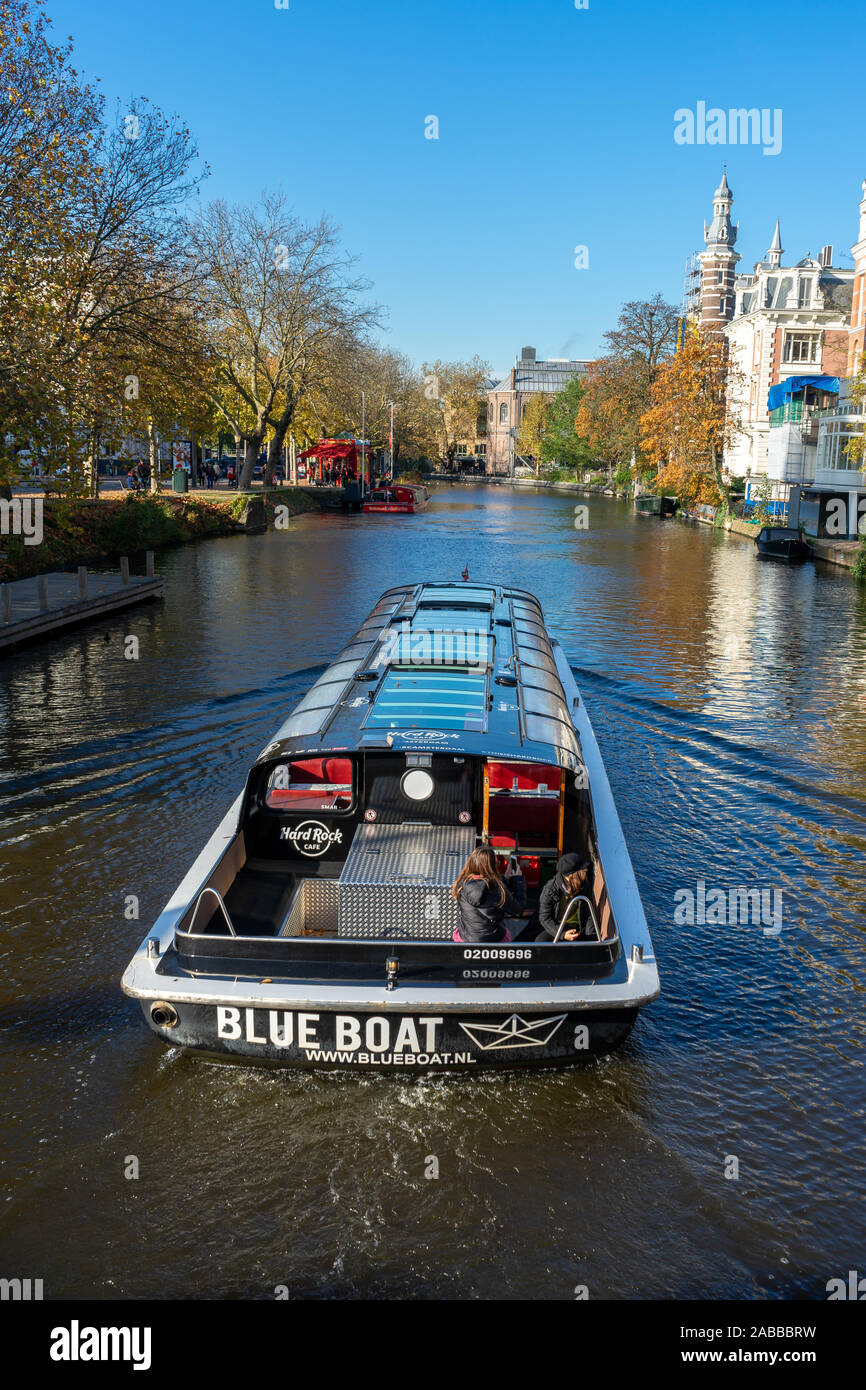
311 837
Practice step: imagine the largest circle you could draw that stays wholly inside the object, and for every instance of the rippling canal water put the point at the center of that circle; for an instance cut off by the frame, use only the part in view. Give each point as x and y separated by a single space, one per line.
729 698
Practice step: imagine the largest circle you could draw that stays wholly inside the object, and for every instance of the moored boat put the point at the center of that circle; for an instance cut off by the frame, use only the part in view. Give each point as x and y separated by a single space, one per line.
653 505
316 928
397 497
782 543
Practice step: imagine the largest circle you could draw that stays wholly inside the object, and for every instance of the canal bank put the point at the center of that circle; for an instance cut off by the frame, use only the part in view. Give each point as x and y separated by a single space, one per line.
67 533
843 554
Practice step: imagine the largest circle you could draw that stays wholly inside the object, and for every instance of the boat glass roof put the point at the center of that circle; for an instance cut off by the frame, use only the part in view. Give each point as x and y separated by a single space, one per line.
430 655
477 598
450 699
452 617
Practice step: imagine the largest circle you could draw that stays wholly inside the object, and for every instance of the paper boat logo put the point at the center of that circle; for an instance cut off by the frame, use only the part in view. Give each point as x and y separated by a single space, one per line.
514 1032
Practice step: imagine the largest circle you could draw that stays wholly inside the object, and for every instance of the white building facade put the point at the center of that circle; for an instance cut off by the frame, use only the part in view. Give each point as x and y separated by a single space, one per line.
789 330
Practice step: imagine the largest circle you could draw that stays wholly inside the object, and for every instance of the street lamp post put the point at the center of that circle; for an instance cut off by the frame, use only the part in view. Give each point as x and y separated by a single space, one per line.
391 445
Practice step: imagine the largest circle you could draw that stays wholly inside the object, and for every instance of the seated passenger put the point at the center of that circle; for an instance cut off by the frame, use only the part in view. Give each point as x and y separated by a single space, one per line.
485 898
572 879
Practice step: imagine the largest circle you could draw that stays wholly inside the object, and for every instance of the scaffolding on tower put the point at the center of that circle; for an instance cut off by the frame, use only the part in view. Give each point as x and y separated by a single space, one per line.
691 304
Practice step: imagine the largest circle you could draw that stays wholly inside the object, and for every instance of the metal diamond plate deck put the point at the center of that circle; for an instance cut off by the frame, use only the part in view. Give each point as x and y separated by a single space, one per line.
396 882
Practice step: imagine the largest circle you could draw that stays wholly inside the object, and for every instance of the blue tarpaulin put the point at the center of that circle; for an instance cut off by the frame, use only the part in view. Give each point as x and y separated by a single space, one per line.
784 390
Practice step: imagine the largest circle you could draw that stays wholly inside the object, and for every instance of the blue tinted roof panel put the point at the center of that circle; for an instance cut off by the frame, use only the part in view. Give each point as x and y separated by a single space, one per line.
448 699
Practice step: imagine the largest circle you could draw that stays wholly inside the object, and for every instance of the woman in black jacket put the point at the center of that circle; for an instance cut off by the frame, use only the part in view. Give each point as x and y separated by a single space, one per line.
572 880
485 900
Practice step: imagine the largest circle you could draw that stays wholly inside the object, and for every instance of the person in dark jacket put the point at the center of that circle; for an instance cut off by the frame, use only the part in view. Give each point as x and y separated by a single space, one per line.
485 897
572 878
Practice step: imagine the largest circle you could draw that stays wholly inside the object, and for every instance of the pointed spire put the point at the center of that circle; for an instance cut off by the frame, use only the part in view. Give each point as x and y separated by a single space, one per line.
774 255
721 231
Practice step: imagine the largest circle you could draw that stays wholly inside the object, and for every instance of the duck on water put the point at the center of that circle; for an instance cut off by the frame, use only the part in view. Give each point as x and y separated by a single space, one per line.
319 927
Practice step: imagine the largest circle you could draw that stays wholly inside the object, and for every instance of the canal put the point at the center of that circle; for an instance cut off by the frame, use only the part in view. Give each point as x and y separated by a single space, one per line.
719 1153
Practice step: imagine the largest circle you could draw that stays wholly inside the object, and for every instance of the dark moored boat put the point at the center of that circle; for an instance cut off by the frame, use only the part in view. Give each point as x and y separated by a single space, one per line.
651 505
782 543
315 929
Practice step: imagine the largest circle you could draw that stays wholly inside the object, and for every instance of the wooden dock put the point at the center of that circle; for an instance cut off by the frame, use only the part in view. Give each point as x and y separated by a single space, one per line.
34 609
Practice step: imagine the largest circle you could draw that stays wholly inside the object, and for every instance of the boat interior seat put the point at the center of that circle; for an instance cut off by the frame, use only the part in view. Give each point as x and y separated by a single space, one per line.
257 903
524 801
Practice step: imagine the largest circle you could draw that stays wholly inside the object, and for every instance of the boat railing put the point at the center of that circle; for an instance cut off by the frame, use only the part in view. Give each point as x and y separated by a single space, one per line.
581 898
203 894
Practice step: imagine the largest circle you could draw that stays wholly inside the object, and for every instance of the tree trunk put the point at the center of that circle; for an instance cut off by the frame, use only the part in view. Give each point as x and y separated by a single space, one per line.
719 481
252 448
275 447
93 467
153 449
275 452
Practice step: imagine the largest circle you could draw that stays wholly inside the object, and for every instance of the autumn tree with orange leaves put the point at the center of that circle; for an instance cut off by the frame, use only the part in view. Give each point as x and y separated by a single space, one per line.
609 410
616 388
689 424
94 259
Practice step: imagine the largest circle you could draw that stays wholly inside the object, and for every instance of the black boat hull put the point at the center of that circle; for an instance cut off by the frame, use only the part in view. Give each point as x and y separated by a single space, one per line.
795 555
353 1040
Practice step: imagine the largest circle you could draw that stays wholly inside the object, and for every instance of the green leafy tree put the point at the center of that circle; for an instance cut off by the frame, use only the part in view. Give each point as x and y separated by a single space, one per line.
457 389
532 434
561 443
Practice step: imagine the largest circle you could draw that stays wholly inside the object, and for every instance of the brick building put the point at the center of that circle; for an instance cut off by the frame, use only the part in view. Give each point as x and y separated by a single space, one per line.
507 400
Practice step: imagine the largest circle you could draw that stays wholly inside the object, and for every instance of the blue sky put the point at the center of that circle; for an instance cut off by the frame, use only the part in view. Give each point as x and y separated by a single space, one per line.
555 131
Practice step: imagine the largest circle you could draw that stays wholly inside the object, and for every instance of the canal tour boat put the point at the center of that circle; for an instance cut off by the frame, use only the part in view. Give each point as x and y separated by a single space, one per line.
397 497
316 928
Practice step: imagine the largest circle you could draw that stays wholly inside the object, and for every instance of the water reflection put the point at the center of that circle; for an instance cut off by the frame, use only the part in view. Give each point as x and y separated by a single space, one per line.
732 762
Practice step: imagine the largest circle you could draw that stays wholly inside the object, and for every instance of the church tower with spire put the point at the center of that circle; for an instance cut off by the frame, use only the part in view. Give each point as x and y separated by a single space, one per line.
718 262
775 253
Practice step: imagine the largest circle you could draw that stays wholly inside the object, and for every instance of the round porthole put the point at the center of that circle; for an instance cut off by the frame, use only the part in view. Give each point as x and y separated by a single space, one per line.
417 784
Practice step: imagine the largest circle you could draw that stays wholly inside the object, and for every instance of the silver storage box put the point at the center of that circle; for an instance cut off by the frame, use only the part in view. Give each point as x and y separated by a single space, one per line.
396 882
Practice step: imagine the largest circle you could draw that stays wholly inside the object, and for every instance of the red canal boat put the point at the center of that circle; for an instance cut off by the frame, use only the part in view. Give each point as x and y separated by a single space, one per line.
397 497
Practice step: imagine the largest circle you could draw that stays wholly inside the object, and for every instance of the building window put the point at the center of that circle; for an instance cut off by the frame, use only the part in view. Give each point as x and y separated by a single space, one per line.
721 279
833 439
503 413
801 347
805 293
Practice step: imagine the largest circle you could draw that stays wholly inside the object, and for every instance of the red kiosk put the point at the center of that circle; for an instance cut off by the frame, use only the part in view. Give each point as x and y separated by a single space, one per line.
343 452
